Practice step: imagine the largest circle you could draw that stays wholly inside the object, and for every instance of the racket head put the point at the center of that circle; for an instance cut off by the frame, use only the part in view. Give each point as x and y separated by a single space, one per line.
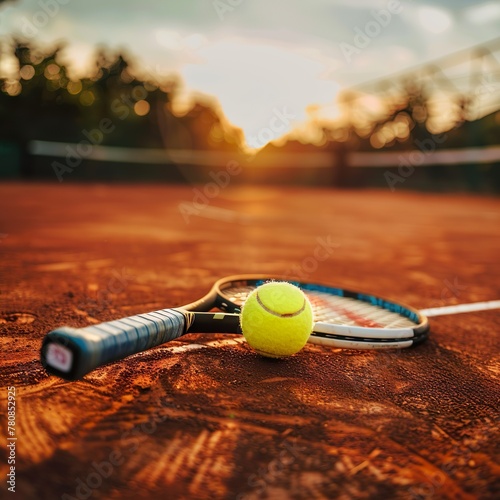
339 314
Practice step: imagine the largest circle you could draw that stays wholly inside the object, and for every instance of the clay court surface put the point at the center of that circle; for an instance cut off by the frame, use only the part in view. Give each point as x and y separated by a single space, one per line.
204 416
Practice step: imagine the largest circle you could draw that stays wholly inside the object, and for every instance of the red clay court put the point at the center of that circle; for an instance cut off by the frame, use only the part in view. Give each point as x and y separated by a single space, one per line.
205 416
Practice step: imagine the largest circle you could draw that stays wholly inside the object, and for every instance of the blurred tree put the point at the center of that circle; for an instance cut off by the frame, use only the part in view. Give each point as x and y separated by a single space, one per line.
43 102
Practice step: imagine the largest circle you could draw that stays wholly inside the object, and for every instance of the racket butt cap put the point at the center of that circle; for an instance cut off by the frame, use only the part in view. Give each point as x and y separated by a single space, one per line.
61 353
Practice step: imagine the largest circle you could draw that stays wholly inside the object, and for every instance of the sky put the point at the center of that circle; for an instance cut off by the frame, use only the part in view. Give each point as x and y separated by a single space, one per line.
269 64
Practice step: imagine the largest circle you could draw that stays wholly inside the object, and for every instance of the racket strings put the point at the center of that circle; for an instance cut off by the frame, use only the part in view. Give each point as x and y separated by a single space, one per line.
329 308
348 311
238 294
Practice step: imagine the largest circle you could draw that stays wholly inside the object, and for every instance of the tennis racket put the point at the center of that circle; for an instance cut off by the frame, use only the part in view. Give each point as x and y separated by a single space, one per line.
343 318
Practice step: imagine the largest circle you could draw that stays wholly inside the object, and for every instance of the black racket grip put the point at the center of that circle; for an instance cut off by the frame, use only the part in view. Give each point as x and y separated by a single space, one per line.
71 353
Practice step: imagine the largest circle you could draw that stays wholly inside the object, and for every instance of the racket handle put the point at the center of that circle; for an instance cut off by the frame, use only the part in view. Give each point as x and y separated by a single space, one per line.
71 353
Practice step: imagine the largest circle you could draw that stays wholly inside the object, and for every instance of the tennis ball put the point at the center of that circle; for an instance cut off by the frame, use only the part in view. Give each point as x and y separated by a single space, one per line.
277 319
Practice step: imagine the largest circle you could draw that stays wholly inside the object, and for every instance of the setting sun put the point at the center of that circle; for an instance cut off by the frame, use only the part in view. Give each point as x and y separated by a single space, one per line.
263 89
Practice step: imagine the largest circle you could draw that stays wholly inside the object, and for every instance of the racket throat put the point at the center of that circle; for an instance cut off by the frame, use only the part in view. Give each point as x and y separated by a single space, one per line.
212 322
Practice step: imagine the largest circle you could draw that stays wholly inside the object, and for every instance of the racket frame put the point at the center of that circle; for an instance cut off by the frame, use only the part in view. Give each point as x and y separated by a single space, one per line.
82 350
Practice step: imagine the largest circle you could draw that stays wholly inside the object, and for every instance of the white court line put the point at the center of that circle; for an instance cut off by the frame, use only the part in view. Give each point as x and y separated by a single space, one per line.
185 348
461 308
213 343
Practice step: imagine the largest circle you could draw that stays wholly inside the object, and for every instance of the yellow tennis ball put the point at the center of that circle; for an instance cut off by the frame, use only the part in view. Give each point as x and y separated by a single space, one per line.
277 319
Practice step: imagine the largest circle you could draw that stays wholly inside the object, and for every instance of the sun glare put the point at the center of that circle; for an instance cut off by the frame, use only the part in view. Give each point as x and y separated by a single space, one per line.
79 58
434 20
263 89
